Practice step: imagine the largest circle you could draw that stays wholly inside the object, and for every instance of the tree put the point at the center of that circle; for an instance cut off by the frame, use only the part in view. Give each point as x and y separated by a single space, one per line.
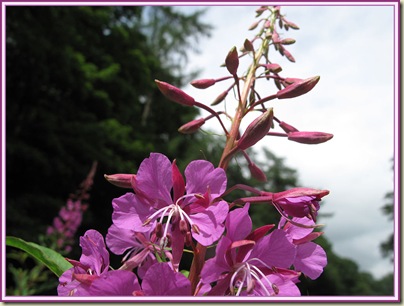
78 79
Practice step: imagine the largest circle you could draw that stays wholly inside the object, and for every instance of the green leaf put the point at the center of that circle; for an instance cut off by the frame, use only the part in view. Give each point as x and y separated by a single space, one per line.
51 259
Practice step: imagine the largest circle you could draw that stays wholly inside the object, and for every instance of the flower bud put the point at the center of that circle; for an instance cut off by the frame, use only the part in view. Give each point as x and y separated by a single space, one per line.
287 41
287 127
175 94
254 25
298 88
248 46
121 180
309 137
219 98
273 68
203 83
288 55
232 61
192 126
257 173
256 130
291 24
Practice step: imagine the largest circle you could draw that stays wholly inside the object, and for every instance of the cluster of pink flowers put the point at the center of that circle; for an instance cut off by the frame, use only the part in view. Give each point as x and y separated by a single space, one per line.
166 213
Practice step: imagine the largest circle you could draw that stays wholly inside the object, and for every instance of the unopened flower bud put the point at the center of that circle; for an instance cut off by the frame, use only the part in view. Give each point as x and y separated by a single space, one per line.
273 68
121 180
291 24
175 94
310 137
298 88
288 55
287 41
203 83
254 25
248 46
256 130
232 61
219 98
287 127
257 173
192 126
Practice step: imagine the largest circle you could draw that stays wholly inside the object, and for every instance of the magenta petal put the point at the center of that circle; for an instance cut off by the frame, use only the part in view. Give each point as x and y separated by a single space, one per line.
161 280
217 265
275 250
287 287
201 175
297 232
310 259
95 254
210 223
238 223
154 179
120 239
115 283
130 212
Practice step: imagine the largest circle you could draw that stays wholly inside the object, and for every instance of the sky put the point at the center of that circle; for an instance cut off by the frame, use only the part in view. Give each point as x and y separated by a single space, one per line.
351 48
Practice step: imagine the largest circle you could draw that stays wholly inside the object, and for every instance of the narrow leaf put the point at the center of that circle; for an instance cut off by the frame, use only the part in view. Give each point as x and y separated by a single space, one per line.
51 259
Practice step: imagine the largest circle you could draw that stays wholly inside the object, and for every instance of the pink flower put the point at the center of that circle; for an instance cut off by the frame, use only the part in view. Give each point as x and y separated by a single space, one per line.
299 202
91 276
249 263
310 257
161 195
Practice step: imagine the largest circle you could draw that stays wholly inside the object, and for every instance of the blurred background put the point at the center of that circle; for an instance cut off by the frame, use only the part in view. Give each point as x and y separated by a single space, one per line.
81 102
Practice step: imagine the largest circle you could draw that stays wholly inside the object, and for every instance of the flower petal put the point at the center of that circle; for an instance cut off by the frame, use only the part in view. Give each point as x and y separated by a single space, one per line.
130 212
275 250
115 283
201 175
160 279
154 179
238 223
210 223
121 239
95 254
310 259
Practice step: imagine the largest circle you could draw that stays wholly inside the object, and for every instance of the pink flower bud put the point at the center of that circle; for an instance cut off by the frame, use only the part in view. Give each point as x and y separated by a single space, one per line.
257 173
273 68
298 88
219 98
192 126
291 24
248 46
256 130
232 61
254 25
203 83
287 127
288 55
175 94
121 180
310 137
287 41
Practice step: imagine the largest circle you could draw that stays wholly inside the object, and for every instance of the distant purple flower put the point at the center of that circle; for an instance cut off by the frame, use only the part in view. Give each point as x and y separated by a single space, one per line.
251 263
161 194
91 277
310 257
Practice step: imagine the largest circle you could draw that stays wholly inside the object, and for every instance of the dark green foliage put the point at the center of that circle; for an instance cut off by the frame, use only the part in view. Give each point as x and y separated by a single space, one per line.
80 87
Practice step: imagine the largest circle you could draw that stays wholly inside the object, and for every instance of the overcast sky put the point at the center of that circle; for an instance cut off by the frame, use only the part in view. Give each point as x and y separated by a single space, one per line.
351 49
